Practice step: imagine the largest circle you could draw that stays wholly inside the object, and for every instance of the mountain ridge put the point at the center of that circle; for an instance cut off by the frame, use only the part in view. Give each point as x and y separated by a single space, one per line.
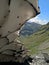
29 28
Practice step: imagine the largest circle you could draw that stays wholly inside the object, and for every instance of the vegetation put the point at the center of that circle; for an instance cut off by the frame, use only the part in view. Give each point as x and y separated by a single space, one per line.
34 41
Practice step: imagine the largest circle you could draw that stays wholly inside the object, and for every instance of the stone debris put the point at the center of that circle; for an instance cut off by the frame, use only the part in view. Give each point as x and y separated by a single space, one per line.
40 59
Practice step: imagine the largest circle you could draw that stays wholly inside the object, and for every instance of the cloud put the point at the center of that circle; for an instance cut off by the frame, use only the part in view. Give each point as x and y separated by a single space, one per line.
38 20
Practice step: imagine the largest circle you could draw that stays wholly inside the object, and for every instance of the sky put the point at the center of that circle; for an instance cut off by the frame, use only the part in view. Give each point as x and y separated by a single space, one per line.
43 17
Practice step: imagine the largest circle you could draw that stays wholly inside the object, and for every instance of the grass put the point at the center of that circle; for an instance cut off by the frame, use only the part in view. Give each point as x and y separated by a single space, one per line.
33 41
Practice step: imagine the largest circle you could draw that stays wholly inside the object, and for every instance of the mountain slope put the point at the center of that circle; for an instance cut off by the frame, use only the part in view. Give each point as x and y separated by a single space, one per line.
39 41
29 28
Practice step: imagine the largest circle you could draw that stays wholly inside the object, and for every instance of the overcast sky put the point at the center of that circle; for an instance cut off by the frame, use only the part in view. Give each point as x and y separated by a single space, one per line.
43 17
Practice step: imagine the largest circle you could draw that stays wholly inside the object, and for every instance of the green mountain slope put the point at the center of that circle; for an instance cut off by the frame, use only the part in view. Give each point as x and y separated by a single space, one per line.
38 41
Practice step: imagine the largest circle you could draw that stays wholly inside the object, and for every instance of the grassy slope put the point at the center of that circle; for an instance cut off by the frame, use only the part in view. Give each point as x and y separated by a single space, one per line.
34 41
